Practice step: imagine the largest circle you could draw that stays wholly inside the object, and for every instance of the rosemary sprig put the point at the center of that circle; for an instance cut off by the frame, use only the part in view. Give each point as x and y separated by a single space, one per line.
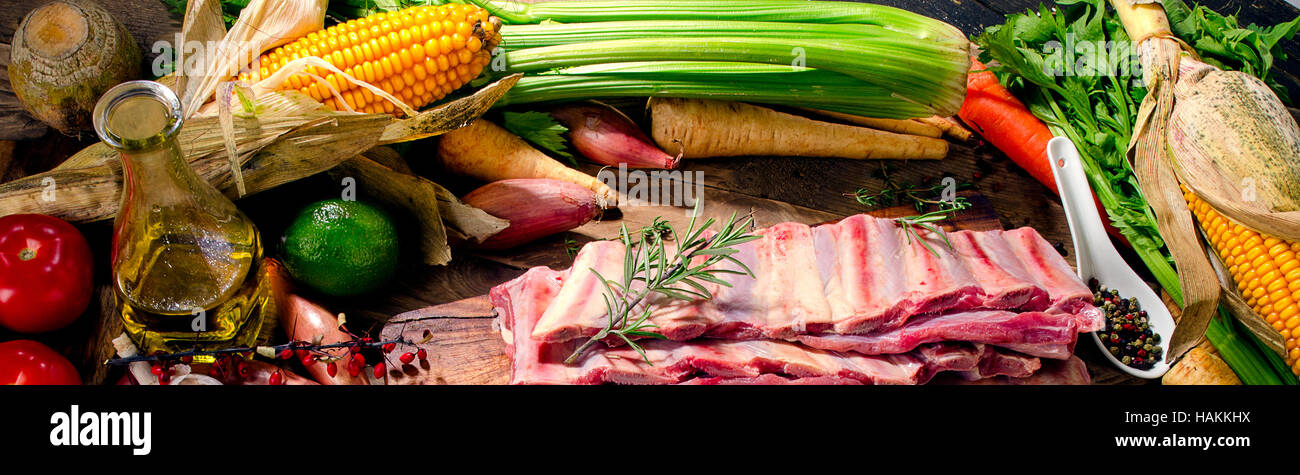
897 192
926 221
571 247
649 268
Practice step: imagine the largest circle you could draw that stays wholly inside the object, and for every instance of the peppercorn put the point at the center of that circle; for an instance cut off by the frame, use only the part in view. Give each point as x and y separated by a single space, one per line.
1128 335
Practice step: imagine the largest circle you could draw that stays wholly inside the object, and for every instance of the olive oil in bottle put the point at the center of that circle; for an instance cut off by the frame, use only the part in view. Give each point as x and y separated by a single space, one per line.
187 264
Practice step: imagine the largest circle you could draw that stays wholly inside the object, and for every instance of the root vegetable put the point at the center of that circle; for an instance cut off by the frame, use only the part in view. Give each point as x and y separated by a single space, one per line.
948 125
606 136
706 128
536 208
1005 122
901 126
303 320
64 55
488 152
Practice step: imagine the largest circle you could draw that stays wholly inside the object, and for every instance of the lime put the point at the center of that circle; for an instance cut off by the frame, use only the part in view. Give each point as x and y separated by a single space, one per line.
341 247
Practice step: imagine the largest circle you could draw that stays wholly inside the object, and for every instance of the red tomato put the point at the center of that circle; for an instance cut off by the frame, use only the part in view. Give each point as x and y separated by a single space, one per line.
45 273
26 362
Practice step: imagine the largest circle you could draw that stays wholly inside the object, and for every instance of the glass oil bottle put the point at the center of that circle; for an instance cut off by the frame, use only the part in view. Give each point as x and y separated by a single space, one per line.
187 264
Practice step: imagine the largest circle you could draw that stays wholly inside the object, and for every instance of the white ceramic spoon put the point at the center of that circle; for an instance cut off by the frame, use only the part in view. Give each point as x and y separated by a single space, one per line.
1096 257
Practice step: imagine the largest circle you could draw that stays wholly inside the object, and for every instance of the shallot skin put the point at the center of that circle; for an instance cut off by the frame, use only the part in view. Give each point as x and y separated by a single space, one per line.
535 207
303 320
606 136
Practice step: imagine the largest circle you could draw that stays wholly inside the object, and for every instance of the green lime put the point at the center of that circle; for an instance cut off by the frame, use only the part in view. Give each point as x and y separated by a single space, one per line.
341 247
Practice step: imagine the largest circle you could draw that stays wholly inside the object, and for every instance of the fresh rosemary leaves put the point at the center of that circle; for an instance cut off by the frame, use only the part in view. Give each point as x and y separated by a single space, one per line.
895 192
926 221
921 197
650 268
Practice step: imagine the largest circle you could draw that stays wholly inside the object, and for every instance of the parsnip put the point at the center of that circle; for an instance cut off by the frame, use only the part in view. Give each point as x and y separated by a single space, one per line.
706 128
902 126
488 152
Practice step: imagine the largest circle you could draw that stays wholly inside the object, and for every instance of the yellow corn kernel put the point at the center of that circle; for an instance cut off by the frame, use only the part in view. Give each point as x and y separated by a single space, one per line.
1282 305
401 52
1266 270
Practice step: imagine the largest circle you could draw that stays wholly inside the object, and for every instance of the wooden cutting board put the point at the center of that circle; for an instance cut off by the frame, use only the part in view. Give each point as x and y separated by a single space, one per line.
465 347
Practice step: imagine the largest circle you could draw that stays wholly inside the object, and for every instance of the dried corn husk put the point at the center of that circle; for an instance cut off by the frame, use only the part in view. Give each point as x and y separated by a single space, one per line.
203 25
430 203
262 25
1237 147
1160 51
286 137
1201 367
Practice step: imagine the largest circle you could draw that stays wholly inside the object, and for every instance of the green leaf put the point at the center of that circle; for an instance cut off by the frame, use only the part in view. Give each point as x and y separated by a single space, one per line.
646 334
540 129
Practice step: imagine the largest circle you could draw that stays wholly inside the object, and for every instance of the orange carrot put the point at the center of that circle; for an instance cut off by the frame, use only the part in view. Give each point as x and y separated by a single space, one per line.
1006 123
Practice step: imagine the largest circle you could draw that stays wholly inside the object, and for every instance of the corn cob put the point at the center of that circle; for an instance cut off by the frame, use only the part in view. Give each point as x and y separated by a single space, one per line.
1265 269
419 55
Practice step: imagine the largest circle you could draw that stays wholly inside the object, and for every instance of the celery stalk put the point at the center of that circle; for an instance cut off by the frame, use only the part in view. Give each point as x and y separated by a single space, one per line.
715 80
1240 355
926 74
516 37
792 11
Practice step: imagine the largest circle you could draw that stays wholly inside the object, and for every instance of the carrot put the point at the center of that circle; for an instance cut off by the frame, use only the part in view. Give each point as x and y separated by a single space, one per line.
706 128
305 321
1006 123
908 126
488 152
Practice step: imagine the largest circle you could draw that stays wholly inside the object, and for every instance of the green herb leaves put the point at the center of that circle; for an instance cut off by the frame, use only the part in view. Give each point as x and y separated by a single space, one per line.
1222 43
540 129
897 192
928 222
649 267
1096 111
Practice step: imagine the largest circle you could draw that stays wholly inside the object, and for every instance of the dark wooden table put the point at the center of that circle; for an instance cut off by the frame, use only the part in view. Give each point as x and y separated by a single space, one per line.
771 189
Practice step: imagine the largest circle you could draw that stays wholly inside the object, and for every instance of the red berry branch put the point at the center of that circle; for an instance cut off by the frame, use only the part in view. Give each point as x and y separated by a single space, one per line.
303 350
232 363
